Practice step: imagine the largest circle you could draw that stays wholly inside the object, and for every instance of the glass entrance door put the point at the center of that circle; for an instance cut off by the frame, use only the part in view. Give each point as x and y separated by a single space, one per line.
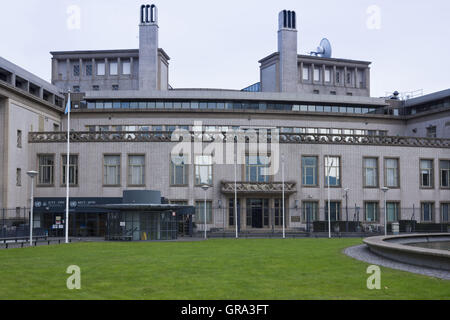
257 213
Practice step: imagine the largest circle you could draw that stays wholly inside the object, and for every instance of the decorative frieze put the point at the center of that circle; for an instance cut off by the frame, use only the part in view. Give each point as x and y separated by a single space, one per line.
258 187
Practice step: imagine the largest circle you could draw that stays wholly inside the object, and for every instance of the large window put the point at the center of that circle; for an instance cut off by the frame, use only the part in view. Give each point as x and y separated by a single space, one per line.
306 73
427 211
126 67
278 213
333 171
100 68
256 168
178 171
231 213
203 170
426 173
88 69
335 208
136 170
111 170
309 171
310 211
113 68
76 70
73 169
391 173
445 210
392 211
371 211
444 167
370 172
200 212
46 169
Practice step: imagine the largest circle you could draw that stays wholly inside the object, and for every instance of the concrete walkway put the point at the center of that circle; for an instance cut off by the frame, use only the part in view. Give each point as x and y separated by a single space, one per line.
363 253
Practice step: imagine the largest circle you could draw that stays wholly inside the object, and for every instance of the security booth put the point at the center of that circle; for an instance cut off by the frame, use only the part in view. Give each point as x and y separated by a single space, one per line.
142 217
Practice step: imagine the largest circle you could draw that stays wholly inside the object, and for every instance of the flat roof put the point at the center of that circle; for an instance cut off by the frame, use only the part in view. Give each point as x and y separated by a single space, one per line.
428 98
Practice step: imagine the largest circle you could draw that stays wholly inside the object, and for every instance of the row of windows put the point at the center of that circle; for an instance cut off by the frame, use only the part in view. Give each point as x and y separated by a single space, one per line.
319 75
114 87
257 169
171 128
227 105
100 69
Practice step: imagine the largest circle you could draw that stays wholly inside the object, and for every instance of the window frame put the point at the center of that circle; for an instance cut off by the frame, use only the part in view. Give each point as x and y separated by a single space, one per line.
303 176
210 171
209 215
440 174
119 170
377 177
431 186
246 168
441 211
433 215
385 172
64 163
377 211
172 179
51 184
315 214
399 215
325 171
129 167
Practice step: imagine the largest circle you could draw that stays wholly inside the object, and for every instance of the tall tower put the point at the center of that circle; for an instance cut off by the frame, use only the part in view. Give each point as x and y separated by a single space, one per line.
287 48
148 48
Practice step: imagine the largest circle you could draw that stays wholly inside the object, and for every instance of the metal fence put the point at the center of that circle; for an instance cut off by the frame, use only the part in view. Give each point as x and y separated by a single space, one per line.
15 223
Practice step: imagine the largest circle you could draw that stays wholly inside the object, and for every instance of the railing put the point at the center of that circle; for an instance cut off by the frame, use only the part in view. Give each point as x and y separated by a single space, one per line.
299 138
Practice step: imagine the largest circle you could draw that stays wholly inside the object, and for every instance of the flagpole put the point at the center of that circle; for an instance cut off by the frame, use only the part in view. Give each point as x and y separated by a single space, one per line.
67 168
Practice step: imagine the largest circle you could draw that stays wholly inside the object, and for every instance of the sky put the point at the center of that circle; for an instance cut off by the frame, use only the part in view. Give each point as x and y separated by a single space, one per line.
217 44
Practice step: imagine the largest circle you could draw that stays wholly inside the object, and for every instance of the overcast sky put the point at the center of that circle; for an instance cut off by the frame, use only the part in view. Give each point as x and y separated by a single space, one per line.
217 44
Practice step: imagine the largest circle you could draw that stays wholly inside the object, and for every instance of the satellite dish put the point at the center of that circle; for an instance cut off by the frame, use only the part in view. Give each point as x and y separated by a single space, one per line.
324 49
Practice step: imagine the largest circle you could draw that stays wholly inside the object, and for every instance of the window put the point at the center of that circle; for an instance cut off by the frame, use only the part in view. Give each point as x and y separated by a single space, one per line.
231 212
19 177
73 170
327 75
203 170
338 77
391 173
100 68
445 209
426 173
256 168
427 211
370 172
115 87
113 69
178 172
371 211
19 138
349 78
88 69
126 67
95 88
335 210
309 171
431 132
392 211
316 74
76 70
76 89
310 211
332 171
111 170
444 166
136 170
200 212
46 169
306 73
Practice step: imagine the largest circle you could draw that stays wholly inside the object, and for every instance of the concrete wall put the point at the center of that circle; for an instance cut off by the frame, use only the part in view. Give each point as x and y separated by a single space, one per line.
417 126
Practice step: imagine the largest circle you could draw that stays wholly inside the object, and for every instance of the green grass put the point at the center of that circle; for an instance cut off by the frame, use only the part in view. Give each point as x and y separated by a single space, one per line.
213 269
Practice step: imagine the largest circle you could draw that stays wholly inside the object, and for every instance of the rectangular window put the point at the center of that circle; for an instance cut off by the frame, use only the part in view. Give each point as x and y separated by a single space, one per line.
310 211
76 89
391 172
444 167
19 177
338 77
178 171
431 132
73 169
100 68
371 211
126 67
445 207
335 208
95 88
113 69
76 70
349 78
136 170
115 87
427 211
426 173
19 138
256 168
111 170
88 69
333 171
306 73
327 75
203 170
200 212
46 169
309 171
370 172
392 211
278 213
231 211
316 74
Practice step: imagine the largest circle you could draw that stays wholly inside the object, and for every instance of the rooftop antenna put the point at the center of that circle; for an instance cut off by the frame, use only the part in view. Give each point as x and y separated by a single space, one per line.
323 50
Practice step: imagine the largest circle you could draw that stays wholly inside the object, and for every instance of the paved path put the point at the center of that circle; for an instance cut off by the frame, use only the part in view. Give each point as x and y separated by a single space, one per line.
363 253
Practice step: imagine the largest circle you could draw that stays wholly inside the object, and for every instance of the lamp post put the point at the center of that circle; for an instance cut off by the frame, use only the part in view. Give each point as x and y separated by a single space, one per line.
235 197
346 208
32 175
205 187
385 190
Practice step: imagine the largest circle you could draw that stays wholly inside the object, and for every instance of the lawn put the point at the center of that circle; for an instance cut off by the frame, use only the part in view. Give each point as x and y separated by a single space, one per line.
213 269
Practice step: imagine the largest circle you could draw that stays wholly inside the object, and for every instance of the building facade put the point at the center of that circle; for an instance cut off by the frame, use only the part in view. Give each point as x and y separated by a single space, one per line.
336 145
